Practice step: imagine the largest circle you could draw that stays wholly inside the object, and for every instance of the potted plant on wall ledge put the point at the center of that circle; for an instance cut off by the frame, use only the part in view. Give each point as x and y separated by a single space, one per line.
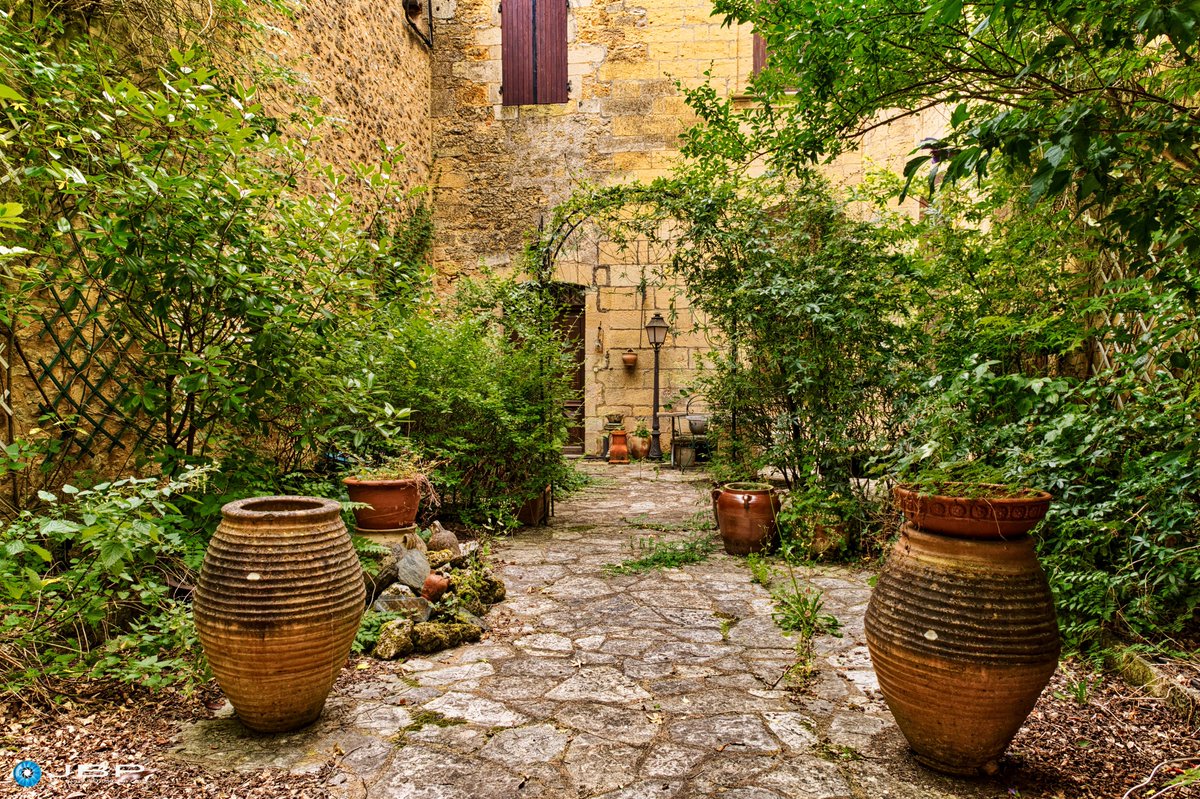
390 493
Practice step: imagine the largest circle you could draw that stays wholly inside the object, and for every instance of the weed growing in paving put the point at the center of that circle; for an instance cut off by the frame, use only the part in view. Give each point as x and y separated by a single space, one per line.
656 554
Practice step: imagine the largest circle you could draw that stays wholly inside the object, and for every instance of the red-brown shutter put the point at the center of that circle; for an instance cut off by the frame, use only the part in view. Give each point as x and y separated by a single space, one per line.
551 42
760 54
516 52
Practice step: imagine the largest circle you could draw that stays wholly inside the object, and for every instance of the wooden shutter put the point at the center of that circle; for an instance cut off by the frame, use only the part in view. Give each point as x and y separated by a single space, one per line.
533 51
516 52
551 42
760 55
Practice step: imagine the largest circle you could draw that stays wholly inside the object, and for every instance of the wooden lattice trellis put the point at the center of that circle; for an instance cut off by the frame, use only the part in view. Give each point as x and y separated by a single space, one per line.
79 379
1105 349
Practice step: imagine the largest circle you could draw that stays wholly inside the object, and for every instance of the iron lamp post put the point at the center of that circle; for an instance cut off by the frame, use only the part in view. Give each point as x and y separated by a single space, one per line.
656 331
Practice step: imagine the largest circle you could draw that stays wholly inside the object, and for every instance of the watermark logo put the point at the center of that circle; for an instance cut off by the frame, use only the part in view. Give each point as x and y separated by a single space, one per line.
27 774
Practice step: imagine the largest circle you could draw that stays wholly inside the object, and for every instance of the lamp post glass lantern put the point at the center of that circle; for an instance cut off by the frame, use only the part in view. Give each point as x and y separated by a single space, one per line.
656 332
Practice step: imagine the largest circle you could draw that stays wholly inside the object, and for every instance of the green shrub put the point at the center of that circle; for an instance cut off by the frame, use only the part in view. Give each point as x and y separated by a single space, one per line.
88 584
485 378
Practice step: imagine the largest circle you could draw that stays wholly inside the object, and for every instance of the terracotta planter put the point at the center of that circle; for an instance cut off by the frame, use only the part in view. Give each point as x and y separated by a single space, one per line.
618 449
278 603
393 503
972 516
746 514
639 447
963 637
629 359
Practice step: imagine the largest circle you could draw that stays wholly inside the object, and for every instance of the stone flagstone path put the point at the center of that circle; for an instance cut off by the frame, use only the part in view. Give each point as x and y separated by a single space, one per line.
660 685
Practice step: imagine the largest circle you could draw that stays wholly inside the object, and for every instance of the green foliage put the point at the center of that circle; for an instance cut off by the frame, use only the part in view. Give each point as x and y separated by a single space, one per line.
87 584
484 375
801 610
1093 99
1119 454
368 631
177 206
655 553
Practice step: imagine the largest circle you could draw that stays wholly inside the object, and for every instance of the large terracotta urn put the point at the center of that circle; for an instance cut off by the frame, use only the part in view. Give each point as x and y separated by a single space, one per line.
393 502
746 514
277 606
963 636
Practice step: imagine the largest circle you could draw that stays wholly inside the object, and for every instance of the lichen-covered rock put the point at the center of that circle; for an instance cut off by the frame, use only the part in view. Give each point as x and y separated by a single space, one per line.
434 636
440 558
467 617
491 589
412 568
399 598
443 539
395 639
383 578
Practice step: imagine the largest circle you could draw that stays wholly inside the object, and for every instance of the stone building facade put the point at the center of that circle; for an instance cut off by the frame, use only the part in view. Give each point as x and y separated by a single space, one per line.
428 80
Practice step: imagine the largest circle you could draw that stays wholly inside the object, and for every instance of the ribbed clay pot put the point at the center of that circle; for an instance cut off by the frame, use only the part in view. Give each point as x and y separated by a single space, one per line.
746 514
963 637
618 449
393 503
278 602
972 513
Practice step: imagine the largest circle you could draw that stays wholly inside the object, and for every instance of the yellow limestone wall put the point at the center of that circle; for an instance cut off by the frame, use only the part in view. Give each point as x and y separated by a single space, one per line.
499 170
371 71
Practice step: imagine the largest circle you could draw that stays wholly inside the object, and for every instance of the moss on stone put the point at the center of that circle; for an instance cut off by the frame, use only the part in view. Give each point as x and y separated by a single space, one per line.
434 636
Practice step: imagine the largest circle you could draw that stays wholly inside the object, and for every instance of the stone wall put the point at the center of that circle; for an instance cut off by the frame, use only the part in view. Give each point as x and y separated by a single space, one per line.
372 72
499 170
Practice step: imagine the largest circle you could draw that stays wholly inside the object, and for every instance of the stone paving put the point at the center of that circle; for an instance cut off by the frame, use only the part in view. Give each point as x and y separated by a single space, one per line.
664 684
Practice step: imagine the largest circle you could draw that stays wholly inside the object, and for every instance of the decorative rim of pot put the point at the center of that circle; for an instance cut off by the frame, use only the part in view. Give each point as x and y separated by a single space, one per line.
280 506
746 488
377 481
997 516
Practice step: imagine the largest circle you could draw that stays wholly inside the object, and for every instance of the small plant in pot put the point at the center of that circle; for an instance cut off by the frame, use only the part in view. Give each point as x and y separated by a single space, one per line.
815 523
639 442
390 493
970 501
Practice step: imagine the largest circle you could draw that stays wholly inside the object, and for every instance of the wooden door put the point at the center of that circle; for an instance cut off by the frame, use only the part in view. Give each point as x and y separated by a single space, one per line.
570 323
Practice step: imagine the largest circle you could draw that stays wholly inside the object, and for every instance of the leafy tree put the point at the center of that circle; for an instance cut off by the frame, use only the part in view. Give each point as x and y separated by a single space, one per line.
1096 98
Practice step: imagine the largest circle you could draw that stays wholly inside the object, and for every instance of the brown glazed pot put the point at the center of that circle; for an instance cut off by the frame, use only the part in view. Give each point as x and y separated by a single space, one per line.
746 514
393 502
435 585
639 447
278 603
618 449
963 637
972 516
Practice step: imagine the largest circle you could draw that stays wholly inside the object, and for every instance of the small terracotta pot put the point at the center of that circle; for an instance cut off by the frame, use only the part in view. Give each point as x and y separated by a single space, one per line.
618 449
629 358
435 585
393 503
963 637
972 516
277 605
746 514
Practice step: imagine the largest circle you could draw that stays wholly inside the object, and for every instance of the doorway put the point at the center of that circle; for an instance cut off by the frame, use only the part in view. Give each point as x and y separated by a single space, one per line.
570 323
